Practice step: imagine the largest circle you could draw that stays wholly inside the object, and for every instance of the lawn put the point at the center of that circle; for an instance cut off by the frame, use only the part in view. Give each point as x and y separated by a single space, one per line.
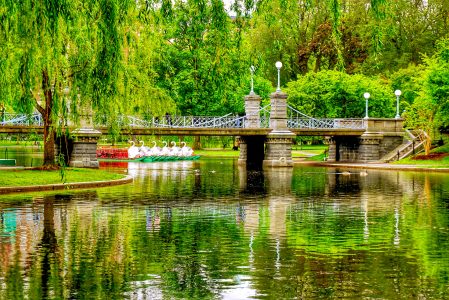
297 151
19 177
434 163
217 153
438 158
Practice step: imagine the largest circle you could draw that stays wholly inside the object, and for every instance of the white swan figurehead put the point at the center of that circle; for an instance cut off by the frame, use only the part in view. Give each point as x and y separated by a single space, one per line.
143 151
155 150
165 151
185 150
133 151
175 150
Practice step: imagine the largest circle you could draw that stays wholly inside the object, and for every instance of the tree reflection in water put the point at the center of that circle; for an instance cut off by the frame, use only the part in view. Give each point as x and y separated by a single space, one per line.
177 234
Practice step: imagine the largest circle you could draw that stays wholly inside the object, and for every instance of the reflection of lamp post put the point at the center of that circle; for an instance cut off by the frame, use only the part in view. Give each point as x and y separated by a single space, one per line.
279 66
397 93
252 69
366 95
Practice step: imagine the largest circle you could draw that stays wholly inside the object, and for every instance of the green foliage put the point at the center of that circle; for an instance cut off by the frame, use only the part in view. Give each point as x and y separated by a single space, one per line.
200 61
409 82
149 58
427 108
333 94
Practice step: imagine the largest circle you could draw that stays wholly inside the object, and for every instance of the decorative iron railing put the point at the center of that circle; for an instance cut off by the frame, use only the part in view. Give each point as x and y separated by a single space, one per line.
295 119
21 119
264 114
298 120
227 121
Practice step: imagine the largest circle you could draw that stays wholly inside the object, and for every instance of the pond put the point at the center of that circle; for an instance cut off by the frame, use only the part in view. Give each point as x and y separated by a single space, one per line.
210 229
30 156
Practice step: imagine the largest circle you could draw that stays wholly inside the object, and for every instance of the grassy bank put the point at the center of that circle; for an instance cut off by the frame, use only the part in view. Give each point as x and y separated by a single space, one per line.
217 153
431 162
19 177
298 152
438 158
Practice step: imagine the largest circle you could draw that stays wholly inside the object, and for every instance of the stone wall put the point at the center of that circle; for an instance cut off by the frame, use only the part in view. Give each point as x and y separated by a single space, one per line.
389 143
369 149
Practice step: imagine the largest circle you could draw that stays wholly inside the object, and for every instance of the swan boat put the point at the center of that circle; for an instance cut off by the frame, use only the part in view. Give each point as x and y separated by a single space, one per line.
144 154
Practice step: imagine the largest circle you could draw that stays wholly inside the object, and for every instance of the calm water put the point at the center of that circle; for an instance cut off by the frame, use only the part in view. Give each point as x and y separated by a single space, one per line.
211 230
30 156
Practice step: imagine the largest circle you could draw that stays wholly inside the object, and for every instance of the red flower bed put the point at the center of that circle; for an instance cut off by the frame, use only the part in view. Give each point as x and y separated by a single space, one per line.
434 156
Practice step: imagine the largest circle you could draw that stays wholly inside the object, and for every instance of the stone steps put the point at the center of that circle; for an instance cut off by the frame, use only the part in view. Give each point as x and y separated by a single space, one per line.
411 146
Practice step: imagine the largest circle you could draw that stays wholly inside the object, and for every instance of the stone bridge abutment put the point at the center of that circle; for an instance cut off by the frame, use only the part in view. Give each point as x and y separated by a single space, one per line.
380 138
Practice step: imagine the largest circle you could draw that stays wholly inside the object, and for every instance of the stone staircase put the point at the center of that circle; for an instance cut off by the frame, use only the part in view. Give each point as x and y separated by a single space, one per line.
413 144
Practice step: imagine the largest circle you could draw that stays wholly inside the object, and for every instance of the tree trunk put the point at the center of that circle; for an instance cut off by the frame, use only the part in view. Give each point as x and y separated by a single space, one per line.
49 133
427 145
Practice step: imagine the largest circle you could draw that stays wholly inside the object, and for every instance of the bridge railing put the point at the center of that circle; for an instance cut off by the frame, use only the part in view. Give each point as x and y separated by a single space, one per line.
295 120
21 119
299 123
298 120
227 121
264 114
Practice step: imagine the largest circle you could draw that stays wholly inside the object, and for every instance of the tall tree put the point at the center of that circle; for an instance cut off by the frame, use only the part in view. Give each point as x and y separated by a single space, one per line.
202 60
430 108
63 57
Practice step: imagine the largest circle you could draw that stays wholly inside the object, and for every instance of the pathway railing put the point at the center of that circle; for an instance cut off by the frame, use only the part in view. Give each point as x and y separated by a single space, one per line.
298 120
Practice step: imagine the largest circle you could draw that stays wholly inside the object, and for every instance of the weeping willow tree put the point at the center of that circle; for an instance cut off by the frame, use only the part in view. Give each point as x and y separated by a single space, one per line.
59 57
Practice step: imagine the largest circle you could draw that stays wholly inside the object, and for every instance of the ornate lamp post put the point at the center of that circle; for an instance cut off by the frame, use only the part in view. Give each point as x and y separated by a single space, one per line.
279 66
252 69
397 93
366 95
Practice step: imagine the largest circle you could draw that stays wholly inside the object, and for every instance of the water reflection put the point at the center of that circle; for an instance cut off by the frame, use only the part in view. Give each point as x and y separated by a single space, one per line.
209 229
30 156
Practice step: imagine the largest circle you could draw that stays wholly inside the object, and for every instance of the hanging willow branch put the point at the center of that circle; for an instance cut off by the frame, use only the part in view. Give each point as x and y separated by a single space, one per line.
335 9
378 9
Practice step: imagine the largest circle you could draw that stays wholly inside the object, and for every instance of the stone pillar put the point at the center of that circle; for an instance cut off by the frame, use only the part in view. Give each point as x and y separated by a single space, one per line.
278 113
84 153
243 150
252 107
369 149
278 151
85 140
332 152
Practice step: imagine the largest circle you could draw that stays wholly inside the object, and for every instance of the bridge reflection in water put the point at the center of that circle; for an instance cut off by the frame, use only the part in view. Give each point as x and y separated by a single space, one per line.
215 229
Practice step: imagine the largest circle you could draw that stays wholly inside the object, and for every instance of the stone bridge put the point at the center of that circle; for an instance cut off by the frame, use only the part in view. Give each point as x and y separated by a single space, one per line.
265 136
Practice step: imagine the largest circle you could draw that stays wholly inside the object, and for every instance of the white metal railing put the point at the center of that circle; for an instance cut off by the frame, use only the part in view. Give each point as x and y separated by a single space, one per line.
298 120
21 119
295 119
227 121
